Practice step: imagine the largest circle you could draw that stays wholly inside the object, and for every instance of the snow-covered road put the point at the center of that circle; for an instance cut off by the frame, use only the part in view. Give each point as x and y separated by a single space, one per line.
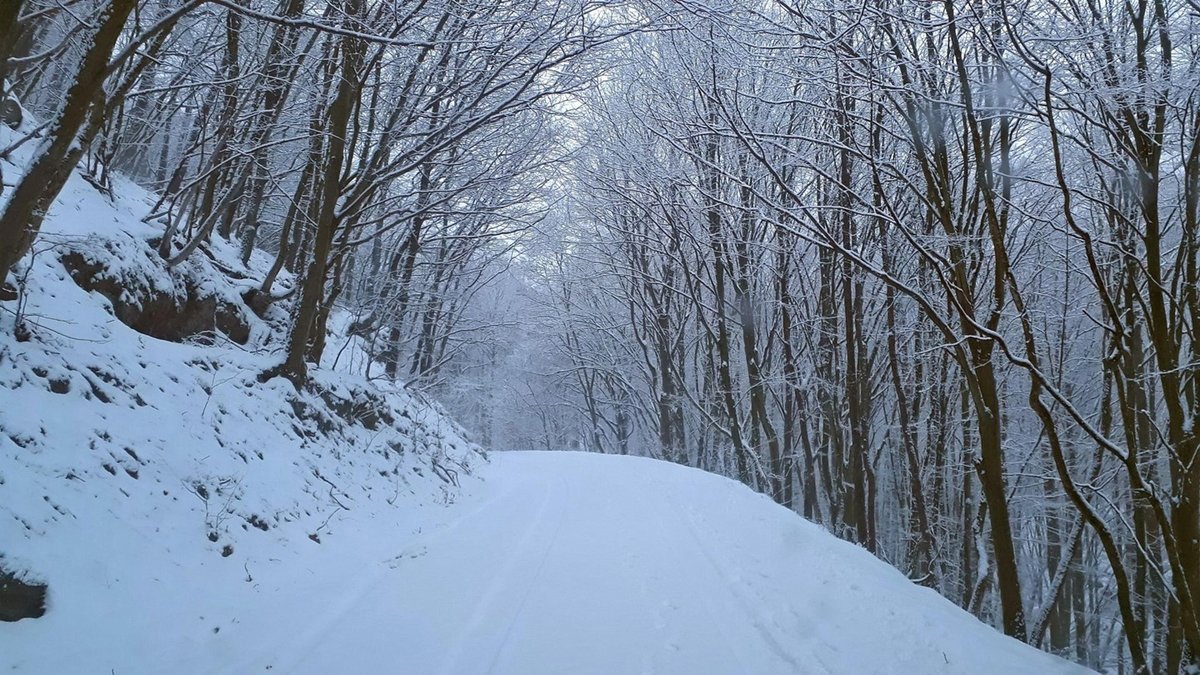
577 563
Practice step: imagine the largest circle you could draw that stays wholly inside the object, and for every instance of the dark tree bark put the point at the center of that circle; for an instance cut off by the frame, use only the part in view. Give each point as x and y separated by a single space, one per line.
312 291
46 176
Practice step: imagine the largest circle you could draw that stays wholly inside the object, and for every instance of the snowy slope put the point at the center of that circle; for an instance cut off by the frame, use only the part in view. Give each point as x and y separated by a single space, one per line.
155 485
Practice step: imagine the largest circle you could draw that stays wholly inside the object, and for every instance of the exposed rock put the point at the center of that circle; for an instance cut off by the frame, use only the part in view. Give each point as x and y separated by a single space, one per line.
20 599
158 313
11 113
361 406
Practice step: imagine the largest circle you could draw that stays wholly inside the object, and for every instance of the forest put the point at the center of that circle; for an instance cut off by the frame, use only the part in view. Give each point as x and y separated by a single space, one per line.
925 273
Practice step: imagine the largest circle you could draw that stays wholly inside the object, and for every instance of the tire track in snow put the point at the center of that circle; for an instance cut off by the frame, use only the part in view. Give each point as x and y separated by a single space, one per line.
297 647
533 582
688 521
503 579
676 533
300 645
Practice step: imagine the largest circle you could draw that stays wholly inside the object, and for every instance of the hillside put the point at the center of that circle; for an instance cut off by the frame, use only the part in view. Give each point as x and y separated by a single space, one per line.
147 477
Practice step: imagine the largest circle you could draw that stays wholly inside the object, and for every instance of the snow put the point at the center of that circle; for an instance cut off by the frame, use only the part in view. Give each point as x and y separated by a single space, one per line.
554 563
580 563
157 487
188 521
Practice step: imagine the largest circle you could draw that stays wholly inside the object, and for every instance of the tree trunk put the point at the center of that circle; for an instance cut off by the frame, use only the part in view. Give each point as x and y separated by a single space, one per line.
312 291
50 169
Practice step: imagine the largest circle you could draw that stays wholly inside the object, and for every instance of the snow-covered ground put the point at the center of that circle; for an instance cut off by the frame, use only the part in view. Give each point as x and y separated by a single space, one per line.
555 563
582 563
